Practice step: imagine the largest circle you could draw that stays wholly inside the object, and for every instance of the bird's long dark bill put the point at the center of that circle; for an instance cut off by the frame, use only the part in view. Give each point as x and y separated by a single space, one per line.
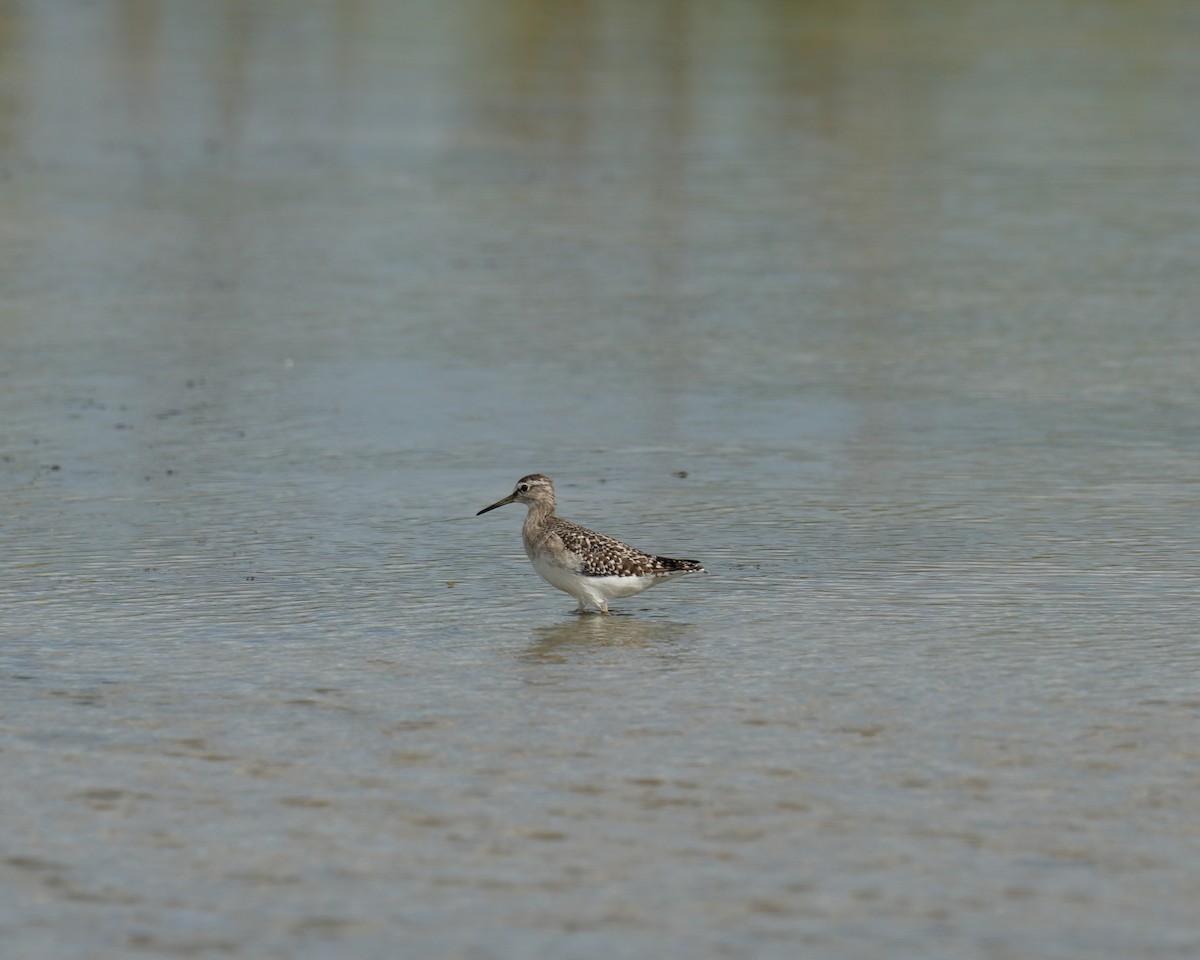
499 503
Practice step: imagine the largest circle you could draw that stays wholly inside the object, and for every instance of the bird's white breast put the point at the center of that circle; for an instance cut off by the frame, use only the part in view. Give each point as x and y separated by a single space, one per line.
557 575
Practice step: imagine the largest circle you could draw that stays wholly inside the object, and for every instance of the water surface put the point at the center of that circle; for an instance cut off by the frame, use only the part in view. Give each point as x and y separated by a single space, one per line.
886 313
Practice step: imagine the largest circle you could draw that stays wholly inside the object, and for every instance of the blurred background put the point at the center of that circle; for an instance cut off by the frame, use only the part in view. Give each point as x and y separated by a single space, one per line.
885 311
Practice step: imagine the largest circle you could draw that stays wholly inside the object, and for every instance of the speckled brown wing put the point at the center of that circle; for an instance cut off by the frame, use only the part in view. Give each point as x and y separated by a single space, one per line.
602 556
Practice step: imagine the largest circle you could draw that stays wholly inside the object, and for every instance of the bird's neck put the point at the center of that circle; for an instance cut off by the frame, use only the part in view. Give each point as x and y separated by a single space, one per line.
538 515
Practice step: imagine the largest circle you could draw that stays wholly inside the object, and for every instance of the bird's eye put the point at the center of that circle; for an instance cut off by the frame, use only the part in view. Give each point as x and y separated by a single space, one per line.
524 487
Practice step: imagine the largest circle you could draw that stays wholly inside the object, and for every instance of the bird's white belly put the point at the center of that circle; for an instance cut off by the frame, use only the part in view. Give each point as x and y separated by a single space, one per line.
590 589
613 588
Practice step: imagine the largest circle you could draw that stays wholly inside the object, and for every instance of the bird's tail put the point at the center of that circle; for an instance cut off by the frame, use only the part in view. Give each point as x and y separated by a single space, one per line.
683 566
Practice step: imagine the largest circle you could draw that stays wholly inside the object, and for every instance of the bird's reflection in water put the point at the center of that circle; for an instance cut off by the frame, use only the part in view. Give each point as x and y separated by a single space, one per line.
558 643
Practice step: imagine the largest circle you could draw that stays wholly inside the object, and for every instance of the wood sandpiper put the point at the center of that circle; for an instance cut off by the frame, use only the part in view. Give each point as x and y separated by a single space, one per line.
589 566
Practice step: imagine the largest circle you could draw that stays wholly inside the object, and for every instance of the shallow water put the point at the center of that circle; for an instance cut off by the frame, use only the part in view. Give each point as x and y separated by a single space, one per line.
885 313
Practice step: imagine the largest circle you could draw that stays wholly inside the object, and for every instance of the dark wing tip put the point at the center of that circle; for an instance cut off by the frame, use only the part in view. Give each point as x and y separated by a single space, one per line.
687 566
